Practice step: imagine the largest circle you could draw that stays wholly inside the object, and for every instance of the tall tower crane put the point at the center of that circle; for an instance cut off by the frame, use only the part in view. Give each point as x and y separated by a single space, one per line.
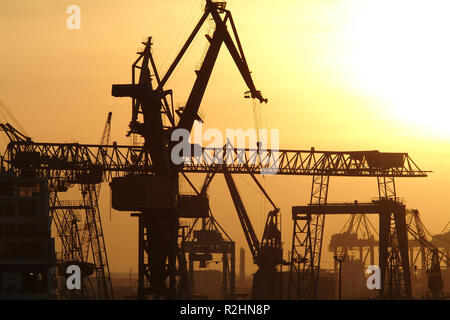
93 236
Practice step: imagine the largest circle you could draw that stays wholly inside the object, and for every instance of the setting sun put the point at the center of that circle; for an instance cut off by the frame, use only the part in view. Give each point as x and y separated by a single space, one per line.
403 60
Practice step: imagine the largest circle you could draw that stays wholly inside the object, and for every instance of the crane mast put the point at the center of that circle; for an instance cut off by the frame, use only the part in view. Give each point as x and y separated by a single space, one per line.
249 232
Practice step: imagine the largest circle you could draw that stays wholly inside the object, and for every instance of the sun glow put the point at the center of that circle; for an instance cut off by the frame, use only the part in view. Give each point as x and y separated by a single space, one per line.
400 54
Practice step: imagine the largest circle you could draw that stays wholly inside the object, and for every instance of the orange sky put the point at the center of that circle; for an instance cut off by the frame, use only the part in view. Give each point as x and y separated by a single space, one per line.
339 75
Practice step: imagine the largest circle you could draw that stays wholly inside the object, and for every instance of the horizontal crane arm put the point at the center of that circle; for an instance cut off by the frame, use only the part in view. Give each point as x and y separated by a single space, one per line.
117 160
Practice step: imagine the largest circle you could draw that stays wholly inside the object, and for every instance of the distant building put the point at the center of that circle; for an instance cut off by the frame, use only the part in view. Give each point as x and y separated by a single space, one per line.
326 287
27 250
354 281
208 284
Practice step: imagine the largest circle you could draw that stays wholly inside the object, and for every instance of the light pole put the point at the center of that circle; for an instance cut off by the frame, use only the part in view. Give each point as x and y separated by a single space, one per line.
340 258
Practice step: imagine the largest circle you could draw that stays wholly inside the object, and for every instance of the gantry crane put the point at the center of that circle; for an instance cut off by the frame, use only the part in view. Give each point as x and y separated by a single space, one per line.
442 240
66 216
430 254
358 232
309 227
209 239
73 161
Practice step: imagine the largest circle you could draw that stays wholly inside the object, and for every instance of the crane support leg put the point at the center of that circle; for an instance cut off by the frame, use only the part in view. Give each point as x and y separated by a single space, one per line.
94 234
393 242
158 249
307 245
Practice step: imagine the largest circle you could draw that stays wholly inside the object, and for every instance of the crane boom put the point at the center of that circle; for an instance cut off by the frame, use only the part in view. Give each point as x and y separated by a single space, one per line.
267 254
249 232
74 159
220 35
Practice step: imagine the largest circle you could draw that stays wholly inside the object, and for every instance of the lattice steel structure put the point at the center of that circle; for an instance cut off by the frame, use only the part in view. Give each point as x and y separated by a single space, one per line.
359 234
83 163
89 161
82 240
385 208
308 228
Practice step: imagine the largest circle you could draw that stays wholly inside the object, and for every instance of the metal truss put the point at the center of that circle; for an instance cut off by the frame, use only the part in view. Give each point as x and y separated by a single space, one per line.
393 245
200 246
358 232
89 161
307 245
393 242
76 163
93 233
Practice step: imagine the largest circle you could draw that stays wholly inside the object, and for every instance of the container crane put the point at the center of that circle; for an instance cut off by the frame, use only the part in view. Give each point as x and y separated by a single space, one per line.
431 255
210 239
357 233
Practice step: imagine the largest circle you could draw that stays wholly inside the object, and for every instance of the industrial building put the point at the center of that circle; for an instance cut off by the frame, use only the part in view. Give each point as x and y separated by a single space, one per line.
27 249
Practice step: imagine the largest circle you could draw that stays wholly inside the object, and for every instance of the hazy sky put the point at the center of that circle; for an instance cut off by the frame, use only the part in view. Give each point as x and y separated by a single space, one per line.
339 75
